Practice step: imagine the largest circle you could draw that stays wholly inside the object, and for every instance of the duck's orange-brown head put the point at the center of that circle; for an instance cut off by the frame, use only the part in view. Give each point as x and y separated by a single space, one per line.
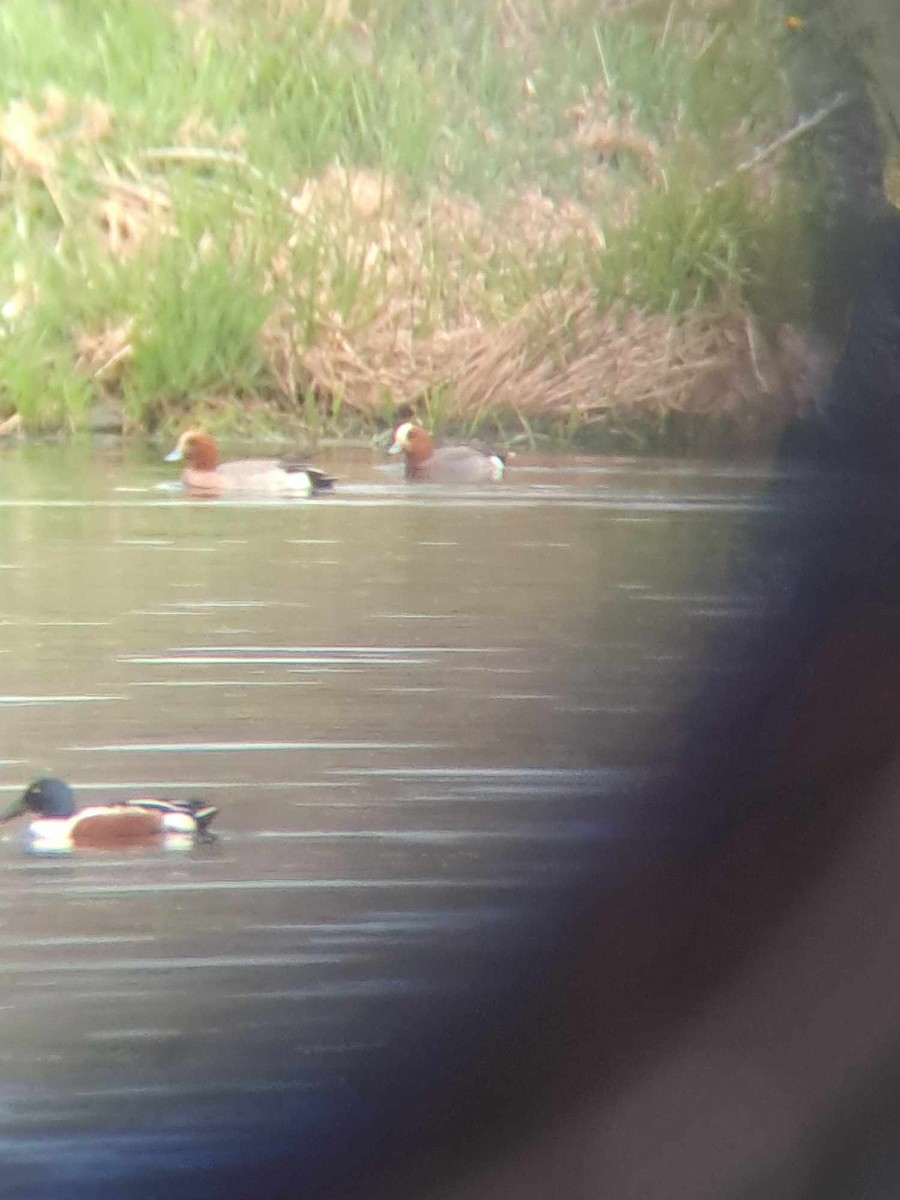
413 441
197 449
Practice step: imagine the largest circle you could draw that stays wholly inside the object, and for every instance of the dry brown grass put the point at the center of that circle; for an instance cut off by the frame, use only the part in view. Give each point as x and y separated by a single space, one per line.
551 359
562 357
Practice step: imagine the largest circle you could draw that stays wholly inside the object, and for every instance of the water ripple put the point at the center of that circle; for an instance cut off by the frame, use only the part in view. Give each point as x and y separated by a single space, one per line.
229 747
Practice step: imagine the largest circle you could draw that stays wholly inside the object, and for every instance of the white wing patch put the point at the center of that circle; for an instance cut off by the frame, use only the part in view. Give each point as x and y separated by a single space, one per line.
498 466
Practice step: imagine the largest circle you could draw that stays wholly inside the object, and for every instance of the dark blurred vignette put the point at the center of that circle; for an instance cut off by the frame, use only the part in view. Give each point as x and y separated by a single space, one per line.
726 1021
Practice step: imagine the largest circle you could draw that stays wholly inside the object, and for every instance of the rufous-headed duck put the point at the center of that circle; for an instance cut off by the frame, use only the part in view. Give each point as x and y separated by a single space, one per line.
204 473
449 464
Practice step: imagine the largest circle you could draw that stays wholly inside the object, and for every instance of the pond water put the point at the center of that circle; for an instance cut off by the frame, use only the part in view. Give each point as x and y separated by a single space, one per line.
420 713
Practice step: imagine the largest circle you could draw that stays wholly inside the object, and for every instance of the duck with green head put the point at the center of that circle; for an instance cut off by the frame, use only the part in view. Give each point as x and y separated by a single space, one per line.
58 824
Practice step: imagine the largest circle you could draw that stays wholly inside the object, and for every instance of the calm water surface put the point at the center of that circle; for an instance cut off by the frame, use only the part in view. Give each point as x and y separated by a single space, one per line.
421 715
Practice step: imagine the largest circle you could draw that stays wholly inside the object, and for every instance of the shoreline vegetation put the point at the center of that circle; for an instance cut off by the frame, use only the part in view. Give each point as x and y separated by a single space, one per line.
530 219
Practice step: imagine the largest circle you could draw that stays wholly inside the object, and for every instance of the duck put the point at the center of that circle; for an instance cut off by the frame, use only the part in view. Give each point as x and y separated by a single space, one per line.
206 475
59 825
449 464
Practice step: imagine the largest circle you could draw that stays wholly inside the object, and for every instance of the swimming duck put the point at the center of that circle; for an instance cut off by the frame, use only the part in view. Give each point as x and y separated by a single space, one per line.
60 826
205 474
450 464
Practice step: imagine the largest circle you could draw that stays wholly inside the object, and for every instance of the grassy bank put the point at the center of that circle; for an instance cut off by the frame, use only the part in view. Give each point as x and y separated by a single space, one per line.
526 214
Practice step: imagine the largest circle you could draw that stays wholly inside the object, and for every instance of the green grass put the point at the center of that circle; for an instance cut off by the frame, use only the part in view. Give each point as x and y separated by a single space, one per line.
453 97
198 330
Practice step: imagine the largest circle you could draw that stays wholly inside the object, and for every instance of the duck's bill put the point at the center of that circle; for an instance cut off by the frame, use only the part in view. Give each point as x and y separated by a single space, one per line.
394 448
18 806
175 456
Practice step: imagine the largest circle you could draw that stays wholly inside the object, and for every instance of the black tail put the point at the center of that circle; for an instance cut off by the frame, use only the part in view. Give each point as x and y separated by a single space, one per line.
320 481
